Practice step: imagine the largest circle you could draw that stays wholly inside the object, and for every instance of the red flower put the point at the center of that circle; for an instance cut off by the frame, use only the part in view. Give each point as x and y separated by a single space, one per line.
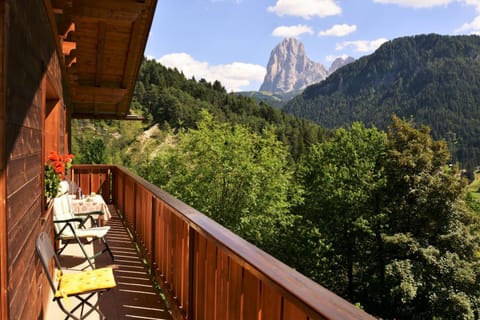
59 163
54 156
69 158
59 167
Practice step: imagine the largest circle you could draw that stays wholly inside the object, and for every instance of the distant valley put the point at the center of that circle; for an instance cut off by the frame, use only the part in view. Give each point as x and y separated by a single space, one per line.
276 100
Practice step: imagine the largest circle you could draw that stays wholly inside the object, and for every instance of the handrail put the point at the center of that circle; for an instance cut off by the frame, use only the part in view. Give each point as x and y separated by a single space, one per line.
206 271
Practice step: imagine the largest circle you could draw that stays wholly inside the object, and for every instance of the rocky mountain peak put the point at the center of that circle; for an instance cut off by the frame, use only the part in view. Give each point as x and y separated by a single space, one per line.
289 68
339 62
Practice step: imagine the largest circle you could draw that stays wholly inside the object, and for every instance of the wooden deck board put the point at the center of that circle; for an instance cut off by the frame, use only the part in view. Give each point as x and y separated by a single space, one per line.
135 296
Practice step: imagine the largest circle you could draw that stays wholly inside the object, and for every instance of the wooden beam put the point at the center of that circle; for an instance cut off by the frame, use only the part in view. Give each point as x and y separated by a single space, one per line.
133 51
102 30
59 50
138 41
97 95
119 5
65 27
111 15
59 5
107 116
71 59
67 47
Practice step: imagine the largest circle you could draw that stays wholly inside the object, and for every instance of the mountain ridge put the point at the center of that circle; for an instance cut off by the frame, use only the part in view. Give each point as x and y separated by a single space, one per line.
431 78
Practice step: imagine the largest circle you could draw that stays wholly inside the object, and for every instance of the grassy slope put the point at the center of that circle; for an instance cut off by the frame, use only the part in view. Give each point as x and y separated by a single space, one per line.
474 187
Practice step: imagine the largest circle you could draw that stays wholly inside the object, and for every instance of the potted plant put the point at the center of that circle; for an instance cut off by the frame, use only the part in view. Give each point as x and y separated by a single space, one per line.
56 169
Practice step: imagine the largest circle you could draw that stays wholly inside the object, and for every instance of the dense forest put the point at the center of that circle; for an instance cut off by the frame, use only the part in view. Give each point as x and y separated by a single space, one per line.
380 217
433 79
169 98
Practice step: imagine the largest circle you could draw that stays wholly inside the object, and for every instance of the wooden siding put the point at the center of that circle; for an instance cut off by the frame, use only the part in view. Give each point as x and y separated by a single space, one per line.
3 191
206 272
31 73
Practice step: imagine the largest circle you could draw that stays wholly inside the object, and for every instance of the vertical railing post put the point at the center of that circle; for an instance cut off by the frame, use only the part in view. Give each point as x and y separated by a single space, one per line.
134 214
191 274
112 182
124 186
153 234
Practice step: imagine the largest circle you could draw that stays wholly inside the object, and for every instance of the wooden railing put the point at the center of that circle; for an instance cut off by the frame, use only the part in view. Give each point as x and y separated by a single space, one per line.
205 271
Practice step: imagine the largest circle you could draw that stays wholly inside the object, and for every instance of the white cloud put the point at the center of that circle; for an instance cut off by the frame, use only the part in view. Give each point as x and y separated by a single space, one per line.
471 27
361 45
475 3
306 8
234 76
338 30
417 3
291 31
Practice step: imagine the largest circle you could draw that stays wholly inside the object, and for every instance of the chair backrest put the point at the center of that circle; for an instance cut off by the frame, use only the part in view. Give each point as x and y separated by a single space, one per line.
63 188
62 209
46 253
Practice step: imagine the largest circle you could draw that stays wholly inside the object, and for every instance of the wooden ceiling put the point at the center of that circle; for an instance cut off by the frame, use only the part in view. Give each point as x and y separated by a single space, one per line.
102 43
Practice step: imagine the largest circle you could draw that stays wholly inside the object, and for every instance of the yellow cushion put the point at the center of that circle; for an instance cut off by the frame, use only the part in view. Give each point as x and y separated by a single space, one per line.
74 283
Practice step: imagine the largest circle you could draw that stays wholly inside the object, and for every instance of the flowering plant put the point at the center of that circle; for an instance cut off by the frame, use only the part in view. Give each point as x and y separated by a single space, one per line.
55 170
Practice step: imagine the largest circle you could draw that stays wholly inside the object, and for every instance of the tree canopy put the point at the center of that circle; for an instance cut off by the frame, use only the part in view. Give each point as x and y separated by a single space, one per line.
401 241
239 178
433 79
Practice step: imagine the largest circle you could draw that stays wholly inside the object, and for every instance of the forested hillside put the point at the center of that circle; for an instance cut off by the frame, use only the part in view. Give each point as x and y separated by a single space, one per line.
277 100
170 101
433 79
168 97
378 217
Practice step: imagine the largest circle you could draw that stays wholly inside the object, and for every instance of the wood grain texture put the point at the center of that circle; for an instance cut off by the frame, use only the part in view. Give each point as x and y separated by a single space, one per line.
3 173
208 272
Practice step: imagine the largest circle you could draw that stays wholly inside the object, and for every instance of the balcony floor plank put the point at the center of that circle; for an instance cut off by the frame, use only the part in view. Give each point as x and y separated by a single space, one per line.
135 296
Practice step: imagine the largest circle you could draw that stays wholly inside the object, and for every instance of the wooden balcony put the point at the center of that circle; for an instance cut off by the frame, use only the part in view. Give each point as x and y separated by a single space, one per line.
204 270
136 295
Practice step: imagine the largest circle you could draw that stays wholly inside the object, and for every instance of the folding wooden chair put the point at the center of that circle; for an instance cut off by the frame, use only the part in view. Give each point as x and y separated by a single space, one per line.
82 286
71 228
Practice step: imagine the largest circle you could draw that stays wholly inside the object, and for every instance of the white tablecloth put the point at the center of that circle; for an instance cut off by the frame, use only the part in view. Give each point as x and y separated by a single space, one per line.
90 204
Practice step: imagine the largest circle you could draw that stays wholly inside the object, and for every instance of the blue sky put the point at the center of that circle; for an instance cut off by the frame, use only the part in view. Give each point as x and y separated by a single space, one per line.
231 40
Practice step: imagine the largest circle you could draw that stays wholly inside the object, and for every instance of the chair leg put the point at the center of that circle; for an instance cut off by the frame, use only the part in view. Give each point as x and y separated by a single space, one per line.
62 247
95 254
107 248
89 259
81 305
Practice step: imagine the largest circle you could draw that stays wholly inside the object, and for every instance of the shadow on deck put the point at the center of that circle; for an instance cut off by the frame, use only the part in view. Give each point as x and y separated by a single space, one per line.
135 296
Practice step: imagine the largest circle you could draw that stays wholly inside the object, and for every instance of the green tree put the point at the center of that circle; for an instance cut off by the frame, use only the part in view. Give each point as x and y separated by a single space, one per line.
93 152
397 236
430 236
241 179
342 178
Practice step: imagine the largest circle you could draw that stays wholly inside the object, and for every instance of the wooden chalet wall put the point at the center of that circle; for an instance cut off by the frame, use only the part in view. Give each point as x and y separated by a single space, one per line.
3 221
32 117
